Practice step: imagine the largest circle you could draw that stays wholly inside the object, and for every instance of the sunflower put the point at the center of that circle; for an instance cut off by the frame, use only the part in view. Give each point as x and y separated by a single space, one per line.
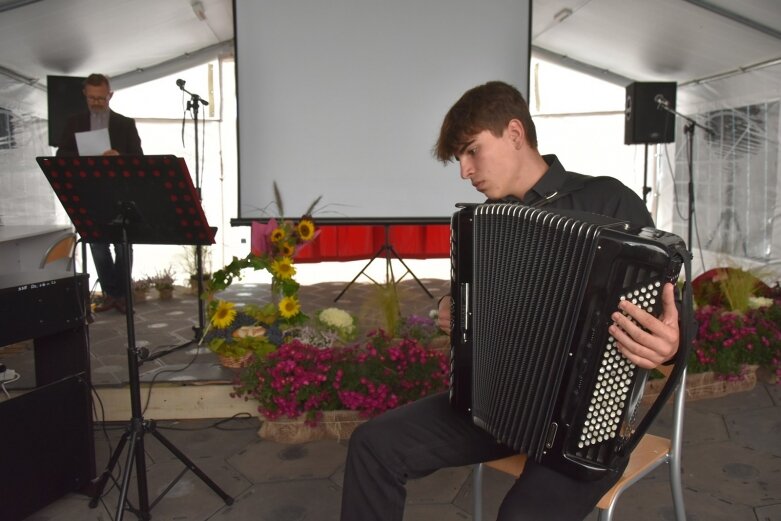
283 268
278 235
286 249
289 307
224 314
305 229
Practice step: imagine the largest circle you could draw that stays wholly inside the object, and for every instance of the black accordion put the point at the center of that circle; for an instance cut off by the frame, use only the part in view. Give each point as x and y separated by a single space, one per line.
532 361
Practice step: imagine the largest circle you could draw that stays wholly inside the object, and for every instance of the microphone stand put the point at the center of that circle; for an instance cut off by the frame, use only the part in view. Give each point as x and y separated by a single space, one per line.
193 104
688 129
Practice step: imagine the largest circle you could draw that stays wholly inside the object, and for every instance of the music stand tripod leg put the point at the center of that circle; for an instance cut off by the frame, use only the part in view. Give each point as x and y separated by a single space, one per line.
99 484
188 463
138 426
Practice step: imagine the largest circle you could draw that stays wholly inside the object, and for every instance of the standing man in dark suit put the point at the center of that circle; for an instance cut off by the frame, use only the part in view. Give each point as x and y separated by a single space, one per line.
125 141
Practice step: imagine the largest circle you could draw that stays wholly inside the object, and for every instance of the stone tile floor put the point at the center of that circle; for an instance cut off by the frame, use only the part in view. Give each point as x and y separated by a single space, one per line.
731 455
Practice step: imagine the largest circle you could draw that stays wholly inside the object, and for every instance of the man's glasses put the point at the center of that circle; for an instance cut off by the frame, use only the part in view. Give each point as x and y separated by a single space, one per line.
98 99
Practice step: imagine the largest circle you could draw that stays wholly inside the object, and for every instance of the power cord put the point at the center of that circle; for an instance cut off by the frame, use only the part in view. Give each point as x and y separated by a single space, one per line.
165 371
7 376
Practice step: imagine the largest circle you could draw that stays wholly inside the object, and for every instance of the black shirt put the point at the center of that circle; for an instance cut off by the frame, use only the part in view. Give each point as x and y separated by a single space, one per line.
601 195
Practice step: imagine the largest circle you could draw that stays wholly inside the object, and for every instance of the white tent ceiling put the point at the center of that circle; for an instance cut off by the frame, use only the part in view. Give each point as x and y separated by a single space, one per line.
120 38
623 40
659 40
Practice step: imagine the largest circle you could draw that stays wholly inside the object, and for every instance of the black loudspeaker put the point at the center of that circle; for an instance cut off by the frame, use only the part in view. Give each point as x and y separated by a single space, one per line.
65 98
646 122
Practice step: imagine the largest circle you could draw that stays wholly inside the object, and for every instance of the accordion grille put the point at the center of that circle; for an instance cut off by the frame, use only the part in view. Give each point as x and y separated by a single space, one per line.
528 280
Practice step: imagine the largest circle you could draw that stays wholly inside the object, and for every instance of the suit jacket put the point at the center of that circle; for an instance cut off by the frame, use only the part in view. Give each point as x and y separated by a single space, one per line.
122 133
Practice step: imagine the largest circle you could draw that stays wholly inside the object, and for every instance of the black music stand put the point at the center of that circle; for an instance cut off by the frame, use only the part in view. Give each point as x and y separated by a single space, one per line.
132 200
388 251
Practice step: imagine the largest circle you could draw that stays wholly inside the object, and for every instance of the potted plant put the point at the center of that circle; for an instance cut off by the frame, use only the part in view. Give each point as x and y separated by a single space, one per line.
141 289
164 283
190 264
739 327
306 385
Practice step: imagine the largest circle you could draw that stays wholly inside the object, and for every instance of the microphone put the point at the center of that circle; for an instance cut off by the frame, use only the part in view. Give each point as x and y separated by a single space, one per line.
195 98
660 100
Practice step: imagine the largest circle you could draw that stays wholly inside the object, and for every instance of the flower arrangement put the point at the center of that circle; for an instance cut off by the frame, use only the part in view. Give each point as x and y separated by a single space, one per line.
302 379
339 322
257 330
273 246
331 327
739 323
423 329
236 333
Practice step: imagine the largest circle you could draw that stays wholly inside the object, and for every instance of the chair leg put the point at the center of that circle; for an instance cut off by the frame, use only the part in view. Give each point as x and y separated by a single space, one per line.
677 489
675 452
477 491
607 514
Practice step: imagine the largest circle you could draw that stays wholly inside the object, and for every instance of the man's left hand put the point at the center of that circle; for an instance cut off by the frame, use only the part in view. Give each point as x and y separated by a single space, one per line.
653 343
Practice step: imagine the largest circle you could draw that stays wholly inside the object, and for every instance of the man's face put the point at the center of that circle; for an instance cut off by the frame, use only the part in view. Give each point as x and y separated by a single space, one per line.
490 163
97 97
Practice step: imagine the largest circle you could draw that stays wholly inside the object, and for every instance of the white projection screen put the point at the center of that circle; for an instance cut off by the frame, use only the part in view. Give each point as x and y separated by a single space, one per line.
344 98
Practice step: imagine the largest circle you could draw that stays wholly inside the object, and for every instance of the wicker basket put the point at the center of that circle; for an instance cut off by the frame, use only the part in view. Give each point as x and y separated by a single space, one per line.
705 385
232 362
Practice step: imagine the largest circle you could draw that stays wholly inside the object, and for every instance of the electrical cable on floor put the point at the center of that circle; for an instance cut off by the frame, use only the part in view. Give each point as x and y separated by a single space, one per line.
164 371
215 425
106 435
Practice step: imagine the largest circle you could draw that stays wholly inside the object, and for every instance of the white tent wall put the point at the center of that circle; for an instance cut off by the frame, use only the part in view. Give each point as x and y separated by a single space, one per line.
25 195
581 119
737 187
159 108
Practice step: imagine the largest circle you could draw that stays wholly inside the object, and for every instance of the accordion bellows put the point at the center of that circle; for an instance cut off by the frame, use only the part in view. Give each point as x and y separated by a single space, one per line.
532 360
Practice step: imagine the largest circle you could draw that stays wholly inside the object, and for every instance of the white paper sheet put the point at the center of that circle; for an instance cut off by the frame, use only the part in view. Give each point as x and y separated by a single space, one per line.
93 142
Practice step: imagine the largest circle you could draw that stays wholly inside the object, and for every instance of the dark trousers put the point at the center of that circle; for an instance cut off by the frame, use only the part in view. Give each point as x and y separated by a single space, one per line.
111 270
415 440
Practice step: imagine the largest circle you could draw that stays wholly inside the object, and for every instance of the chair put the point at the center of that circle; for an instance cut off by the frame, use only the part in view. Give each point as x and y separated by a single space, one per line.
651 452
61 251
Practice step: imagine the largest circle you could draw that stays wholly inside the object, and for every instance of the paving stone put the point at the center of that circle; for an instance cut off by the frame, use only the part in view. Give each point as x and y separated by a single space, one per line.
651 500
758 397
268 462
769 513
759 429
733 474
431 512
286 501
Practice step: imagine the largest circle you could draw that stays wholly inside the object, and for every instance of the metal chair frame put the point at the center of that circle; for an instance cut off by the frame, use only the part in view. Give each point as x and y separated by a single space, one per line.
651 452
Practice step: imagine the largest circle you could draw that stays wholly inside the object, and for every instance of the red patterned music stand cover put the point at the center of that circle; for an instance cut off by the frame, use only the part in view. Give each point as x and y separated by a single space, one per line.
97 191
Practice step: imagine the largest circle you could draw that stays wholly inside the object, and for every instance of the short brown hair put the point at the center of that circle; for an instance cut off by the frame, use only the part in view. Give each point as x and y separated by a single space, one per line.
485 107
96 80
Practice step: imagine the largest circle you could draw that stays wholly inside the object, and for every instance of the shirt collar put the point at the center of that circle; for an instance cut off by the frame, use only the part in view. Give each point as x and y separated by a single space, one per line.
550 183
